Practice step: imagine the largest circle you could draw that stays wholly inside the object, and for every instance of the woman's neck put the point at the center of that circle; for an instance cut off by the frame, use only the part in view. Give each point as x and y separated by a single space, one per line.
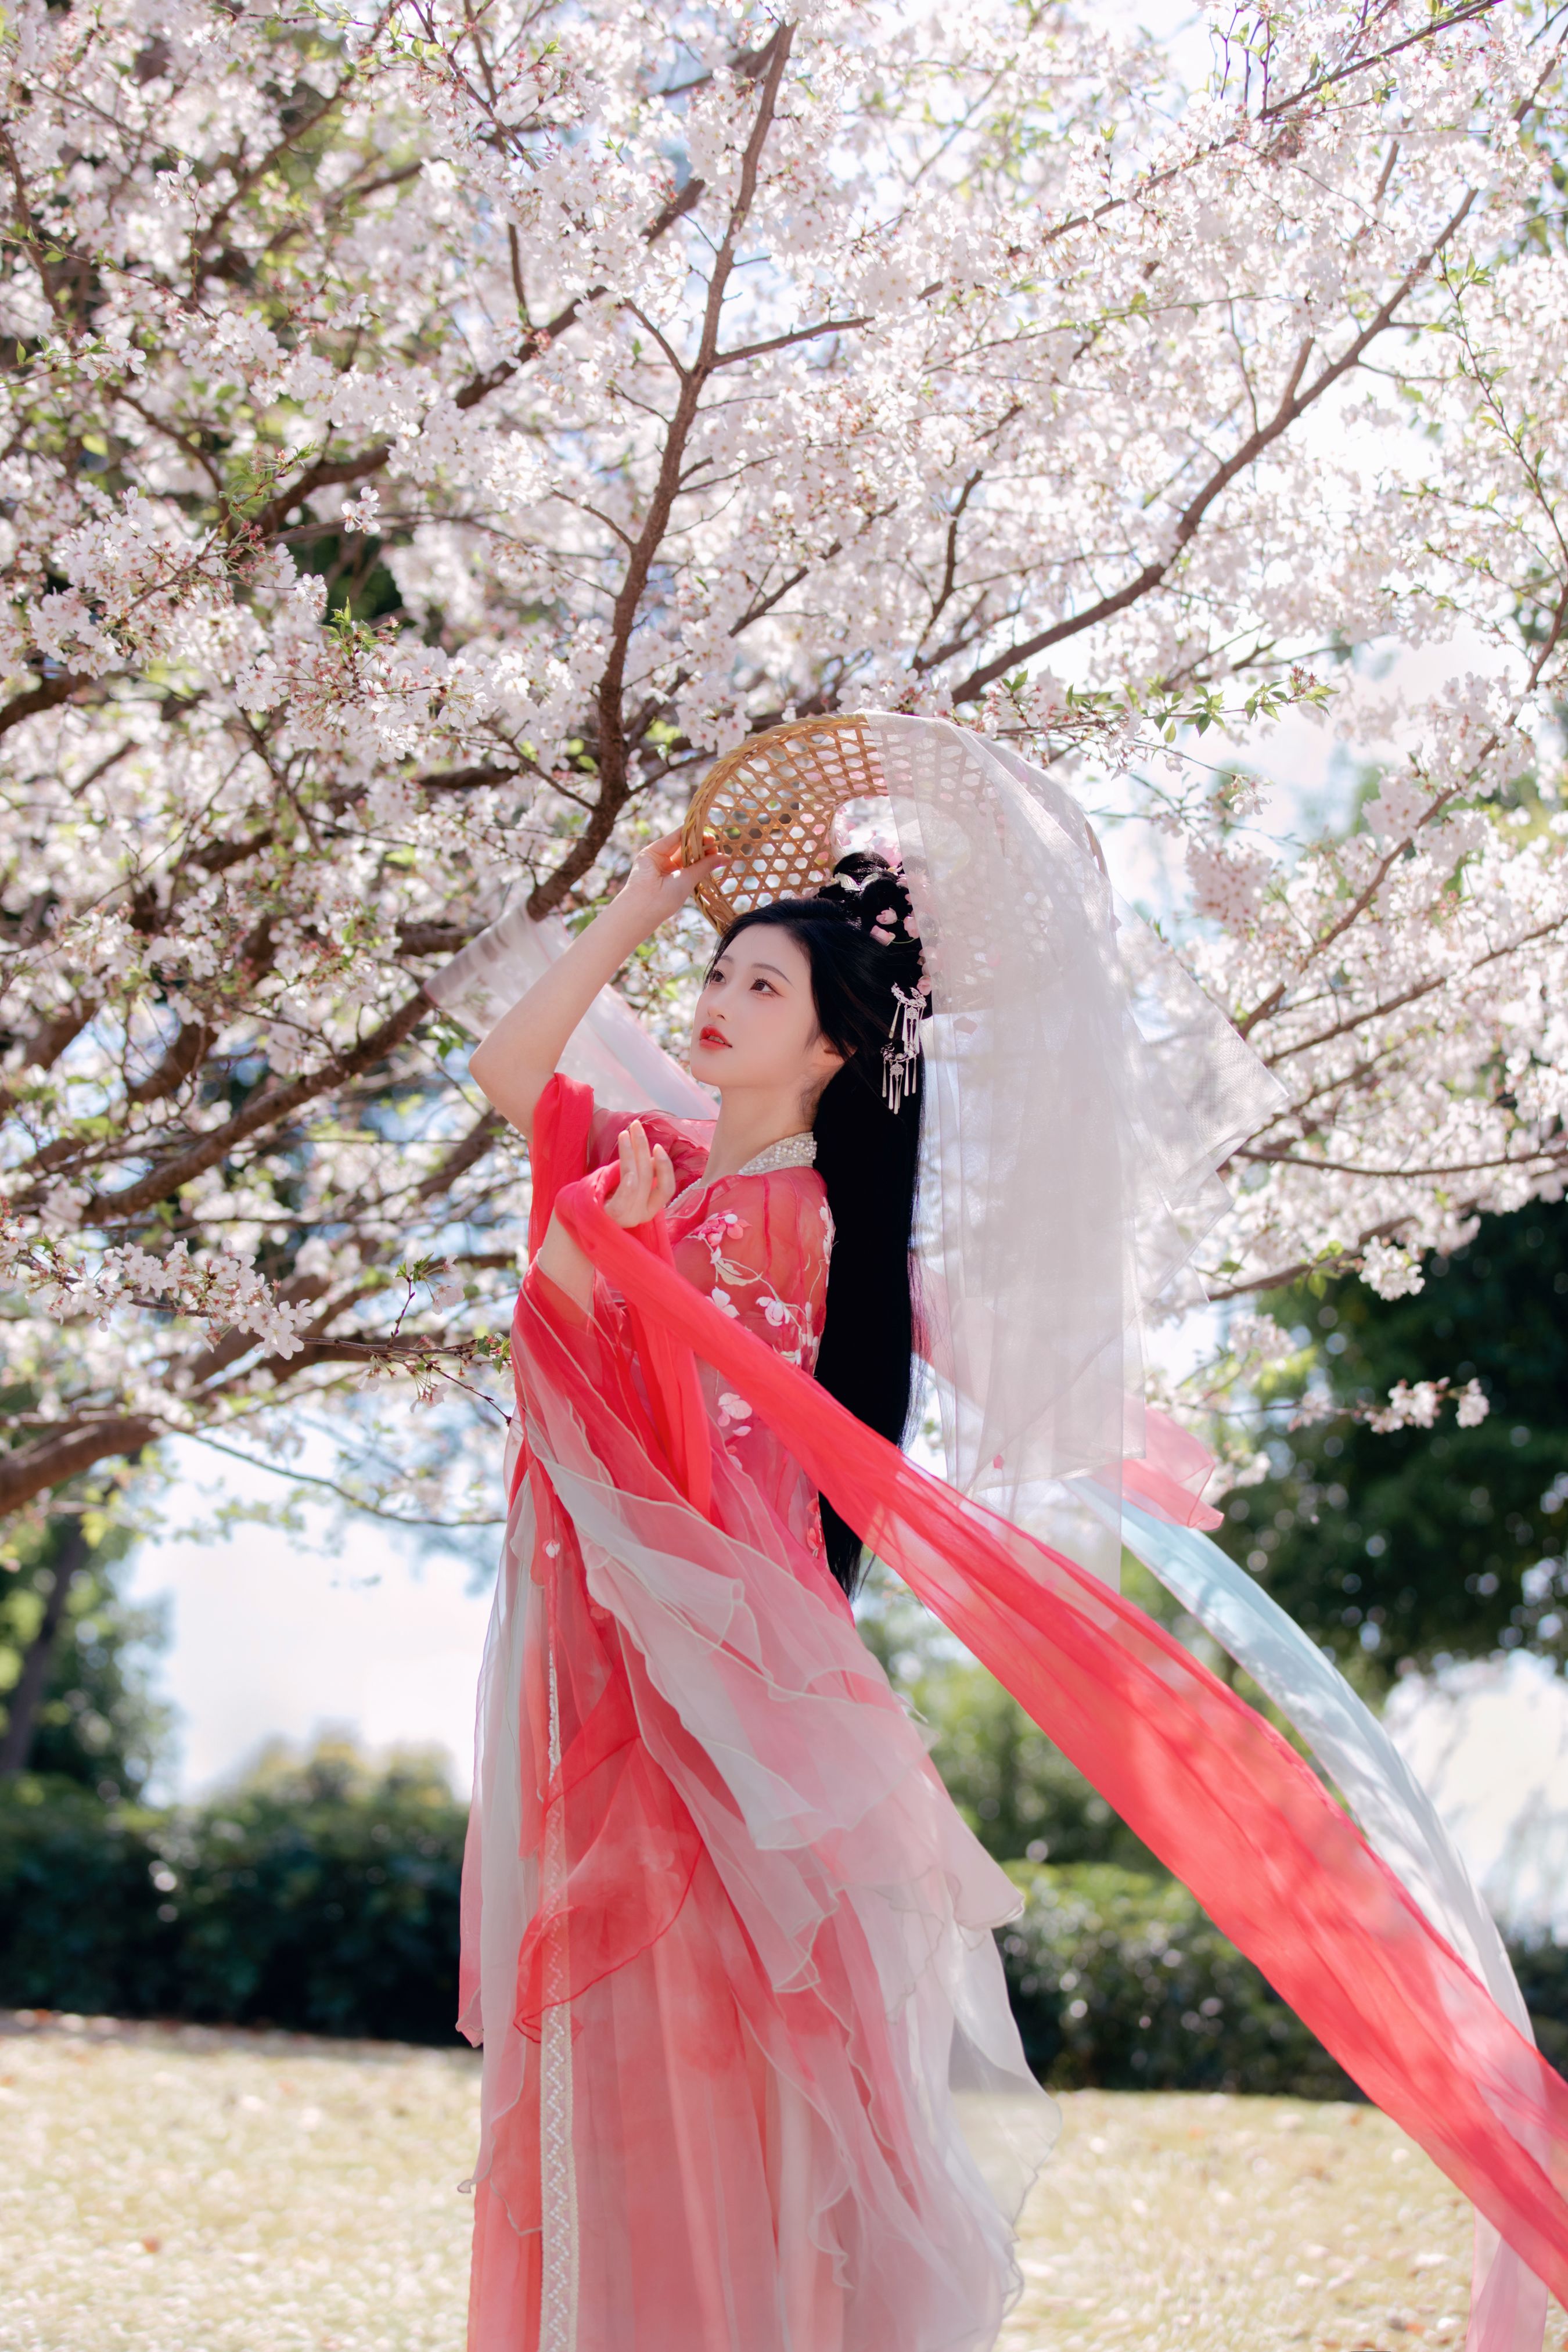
748 1124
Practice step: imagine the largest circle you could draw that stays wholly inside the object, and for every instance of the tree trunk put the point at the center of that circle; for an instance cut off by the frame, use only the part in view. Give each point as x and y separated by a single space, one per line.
28 1697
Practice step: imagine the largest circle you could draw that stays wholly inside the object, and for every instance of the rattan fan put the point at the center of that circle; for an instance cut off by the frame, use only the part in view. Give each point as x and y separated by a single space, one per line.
771 806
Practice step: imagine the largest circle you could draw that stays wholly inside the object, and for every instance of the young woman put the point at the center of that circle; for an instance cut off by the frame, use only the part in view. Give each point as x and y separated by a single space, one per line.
751 2083
759 1952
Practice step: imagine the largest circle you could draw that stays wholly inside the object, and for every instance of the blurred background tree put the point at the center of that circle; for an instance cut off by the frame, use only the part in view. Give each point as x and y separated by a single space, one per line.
321 1892
1410 1548
77 1659
1014 1787
1423 1545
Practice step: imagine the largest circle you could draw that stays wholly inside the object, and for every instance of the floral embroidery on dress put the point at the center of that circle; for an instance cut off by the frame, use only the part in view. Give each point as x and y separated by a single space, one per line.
795 1322
716 1229
734 1415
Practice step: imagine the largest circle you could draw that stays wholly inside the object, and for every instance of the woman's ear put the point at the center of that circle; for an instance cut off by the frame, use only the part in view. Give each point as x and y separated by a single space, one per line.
823 1063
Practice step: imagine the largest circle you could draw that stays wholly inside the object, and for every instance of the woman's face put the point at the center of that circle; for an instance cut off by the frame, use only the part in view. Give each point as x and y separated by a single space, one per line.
755 1023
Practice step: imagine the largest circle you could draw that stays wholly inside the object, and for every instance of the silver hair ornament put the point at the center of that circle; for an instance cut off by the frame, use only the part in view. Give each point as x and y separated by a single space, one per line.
901 1051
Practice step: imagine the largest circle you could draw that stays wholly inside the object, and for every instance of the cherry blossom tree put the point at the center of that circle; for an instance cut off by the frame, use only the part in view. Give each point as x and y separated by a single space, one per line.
431 434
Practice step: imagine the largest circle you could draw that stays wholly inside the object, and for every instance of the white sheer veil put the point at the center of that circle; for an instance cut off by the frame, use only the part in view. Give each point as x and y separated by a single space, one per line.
611 1051
1082 1093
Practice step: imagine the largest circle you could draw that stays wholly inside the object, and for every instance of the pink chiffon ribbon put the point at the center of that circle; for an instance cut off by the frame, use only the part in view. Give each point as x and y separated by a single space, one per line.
1198 1775
1508 2305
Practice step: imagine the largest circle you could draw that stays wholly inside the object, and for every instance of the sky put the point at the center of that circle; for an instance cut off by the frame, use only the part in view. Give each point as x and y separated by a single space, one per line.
1489 1744
275 1636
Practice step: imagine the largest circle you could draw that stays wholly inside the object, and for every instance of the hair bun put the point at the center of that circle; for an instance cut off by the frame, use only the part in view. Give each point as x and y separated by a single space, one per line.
874 895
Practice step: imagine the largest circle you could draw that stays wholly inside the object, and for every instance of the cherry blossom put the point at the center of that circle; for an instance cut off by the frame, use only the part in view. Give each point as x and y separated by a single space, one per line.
432 434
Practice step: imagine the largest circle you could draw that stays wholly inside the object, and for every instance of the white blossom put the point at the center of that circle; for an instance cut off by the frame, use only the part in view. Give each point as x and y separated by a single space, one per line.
428 440
1227 884
1392 1273
1258 1339
1471 1405
1409 1406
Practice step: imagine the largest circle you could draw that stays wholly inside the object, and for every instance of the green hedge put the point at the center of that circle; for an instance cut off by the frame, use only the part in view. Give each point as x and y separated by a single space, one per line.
323 1897
80 1924
1119 1980
1543 1973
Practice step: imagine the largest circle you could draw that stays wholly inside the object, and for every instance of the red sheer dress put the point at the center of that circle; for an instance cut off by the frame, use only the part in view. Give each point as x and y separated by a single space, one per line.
750 2083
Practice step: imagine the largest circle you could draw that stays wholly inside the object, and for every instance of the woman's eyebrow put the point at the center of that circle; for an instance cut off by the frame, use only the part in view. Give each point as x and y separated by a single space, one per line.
775 970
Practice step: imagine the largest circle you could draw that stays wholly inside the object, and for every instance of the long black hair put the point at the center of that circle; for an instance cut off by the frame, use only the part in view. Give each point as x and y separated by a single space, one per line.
858 935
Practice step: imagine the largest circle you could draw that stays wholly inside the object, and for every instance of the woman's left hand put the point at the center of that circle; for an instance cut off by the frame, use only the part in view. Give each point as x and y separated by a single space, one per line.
647 1182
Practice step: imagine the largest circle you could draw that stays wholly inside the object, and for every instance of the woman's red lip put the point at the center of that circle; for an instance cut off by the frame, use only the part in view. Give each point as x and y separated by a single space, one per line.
711 1037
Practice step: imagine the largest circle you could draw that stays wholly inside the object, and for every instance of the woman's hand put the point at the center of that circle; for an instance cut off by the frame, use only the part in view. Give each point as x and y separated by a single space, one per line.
658 885
646 1180
512 1066
646 1185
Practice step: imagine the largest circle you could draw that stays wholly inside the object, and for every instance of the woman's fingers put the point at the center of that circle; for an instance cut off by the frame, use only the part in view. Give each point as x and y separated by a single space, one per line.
634 1163
622 1203
659 883
645 1180
663 1180
668 852
680 881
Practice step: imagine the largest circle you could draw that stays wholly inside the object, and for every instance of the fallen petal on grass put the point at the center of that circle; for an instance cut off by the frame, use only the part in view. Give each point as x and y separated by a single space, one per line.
181 2189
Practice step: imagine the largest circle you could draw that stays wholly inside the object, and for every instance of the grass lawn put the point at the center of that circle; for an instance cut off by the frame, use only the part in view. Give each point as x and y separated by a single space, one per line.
181 2189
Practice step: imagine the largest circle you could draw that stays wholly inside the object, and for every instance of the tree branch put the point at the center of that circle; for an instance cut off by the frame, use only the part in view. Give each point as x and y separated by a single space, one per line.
1293 406
798 335
465 1154
1365 65
275 1103
324 473
50 1460
611 747
34 698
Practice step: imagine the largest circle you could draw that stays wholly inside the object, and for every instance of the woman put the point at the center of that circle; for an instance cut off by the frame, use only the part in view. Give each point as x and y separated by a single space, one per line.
761 1955
751 2083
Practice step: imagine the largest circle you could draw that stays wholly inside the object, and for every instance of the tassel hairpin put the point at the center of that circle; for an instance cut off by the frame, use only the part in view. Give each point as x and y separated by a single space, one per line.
901 1051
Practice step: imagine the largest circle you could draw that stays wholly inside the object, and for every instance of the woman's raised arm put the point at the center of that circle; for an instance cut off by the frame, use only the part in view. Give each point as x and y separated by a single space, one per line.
516 1062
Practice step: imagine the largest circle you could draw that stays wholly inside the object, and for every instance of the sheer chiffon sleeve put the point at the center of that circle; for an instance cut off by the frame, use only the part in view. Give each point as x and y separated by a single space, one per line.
686 1140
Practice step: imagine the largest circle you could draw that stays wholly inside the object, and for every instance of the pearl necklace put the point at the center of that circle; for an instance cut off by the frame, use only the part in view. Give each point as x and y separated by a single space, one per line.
789 1152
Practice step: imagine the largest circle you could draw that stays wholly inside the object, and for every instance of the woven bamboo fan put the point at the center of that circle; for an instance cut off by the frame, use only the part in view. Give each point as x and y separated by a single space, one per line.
771 806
